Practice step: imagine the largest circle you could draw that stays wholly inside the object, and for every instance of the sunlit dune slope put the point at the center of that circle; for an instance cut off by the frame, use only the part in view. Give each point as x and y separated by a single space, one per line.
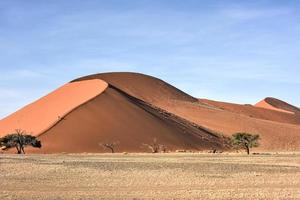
45 112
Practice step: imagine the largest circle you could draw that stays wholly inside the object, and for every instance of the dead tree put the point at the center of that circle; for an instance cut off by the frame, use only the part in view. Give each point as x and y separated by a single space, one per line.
155 147
163 148
110 145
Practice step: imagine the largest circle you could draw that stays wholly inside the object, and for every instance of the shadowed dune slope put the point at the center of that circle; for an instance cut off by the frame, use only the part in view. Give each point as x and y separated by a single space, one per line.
117 116
279 130
45 112
278 105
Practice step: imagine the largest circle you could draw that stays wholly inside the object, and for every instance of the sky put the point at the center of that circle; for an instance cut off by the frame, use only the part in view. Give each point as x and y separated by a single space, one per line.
234 51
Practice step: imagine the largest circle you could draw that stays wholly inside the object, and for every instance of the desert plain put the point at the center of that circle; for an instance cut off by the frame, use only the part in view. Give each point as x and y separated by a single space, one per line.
150 176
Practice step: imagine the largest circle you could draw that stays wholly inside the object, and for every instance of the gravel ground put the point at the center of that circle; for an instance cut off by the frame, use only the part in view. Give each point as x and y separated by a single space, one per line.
150 176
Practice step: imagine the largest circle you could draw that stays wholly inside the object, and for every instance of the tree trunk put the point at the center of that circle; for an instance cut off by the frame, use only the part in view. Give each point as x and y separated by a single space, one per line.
248 150
112 150
18 149
22 148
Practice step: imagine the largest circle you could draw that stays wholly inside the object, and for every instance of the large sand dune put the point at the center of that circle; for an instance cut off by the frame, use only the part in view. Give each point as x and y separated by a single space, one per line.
134 108
278 130
116 116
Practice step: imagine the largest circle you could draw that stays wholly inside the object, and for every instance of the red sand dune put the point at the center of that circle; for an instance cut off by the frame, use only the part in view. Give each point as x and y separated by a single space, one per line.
116 116
256 112
278 105
279 130
134 108
276 136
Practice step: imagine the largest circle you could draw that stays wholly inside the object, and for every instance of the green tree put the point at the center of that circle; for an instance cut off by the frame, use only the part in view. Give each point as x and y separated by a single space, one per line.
245 141
19 140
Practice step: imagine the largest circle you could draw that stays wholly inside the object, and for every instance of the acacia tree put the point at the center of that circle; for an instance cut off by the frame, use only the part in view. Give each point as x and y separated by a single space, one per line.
19 140
110 145
245 141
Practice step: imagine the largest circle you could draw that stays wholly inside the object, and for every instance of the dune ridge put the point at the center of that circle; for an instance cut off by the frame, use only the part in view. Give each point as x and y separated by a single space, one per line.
141 86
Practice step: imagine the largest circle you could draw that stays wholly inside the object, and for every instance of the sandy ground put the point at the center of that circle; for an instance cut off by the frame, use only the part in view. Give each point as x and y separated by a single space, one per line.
149 176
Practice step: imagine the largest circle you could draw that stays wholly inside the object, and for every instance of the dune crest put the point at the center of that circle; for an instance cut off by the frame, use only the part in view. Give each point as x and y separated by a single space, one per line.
144 87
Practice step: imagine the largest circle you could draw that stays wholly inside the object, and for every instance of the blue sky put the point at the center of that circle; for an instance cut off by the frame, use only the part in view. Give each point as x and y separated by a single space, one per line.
236 51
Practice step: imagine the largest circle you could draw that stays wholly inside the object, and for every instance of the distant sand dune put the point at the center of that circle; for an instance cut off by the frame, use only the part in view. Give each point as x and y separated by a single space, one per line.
278 105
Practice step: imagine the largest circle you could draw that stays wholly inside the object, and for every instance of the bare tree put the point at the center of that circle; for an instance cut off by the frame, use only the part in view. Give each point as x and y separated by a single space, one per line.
110 145
155 147
19 140
163 148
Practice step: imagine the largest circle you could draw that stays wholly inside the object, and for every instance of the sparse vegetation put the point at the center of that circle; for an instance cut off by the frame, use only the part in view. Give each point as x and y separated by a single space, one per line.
110 145
19 140
155 147
245 141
